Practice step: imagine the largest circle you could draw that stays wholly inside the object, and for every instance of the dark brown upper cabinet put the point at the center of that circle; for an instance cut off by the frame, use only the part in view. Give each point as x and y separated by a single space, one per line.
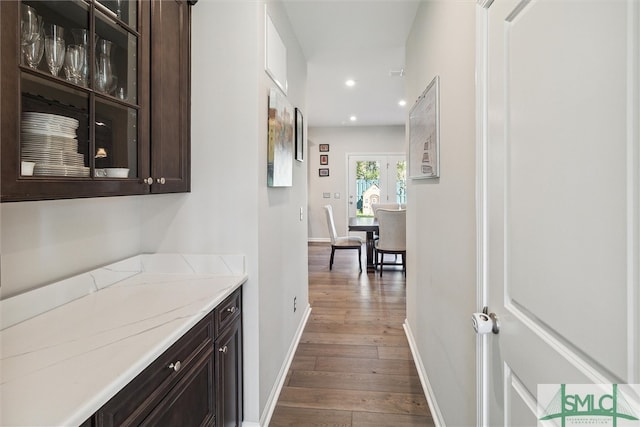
78 101
170 96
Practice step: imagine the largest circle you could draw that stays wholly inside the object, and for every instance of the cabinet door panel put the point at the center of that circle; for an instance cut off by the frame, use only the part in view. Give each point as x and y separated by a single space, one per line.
228 351
191 401
170 74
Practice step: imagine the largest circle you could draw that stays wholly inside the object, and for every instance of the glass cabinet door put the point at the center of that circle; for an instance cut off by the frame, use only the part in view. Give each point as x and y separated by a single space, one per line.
115 86
78 74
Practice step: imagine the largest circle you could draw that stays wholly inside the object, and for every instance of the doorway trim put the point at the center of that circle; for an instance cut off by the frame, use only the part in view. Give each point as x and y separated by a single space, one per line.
482 285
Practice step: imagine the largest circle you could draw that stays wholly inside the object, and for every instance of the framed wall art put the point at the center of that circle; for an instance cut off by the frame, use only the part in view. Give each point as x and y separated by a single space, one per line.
299 136
324 159
424 133
323 148
323 172
280 144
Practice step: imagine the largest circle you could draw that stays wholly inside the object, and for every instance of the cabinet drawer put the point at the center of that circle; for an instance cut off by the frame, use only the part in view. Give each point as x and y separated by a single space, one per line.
228 310
134 402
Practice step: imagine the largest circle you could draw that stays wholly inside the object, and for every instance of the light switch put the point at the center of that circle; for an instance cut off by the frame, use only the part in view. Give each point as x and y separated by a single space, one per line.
326 195
301 213
336 195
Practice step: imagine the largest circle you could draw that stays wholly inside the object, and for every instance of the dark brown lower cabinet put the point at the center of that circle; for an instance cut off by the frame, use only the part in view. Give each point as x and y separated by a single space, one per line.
228 350
196 382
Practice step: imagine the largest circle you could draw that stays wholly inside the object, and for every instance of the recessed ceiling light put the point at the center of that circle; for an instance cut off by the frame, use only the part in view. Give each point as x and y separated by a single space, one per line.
350 83
353 118
402 103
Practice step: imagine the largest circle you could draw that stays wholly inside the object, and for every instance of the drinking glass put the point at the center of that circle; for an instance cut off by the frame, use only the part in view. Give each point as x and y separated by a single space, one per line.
54 52
81 38
74 62
30 25
54 31
33 52
104 74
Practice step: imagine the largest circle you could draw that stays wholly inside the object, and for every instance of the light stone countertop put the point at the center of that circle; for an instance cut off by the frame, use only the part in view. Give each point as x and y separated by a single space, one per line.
76 343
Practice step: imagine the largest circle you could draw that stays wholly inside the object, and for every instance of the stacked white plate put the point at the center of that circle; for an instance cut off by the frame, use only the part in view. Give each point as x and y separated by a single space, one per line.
51 141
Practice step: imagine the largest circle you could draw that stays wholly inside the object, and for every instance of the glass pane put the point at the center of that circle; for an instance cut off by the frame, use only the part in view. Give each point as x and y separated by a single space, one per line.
367 186
116 60
54 38
123 10
54 129
401 181
116 145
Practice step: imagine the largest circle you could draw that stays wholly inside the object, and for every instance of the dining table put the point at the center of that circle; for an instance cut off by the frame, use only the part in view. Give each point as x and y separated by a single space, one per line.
370 226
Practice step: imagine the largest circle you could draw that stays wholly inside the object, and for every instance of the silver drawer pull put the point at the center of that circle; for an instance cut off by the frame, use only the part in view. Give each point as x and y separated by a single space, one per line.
232 309
175 366
223 349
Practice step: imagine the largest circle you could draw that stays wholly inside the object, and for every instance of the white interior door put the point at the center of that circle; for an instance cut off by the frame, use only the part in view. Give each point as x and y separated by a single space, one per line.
560 191
375 178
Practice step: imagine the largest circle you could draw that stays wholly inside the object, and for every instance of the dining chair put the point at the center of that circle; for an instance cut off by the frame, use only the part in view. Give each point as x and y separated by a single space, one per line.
388 206
346 242
392 236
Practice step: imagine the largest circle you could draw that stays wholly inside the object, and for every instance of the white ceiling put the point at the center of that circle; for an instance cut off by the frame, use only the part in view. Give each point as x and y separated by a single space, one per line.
361 40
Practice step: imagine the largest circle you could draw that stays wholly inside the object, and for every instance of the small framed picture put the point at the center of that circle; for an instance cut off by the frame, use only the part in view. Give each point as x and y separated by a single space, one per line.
324 159
299 136
324 148
323 172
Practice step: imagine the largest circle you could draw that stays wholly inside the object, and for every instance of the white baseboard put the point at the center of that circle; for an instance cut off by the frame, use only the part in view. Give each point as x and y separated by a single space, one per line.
424 380
250 424
282 375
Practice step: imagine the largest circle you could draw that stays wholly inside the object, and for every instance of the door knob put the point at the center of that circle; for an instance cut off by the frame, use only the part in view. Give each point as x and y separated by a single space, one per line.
485 322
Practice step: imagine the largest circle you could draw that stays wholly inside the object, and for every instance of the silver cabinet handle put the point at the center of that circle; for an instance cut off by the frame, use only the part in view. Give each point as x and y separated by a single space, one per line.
160 180
148 181
223 349
232 309
175 366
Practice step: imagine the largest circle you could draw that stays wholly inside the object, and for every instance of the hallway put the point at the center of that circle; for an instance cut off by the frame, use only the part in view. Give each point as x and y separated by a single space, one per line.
353 366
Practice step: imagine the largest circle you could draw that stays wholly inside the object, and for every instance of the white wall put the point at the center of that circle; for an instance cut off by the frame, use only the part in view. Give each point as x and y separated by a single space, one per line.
283 259
441 292
342 141
229 210
41 242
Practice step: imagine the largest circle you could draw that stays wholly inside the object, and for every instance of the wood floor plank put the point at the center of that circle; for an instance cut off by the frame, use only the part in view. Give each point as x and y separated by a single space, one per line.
284 416
352 339
303 362
353 365
338 350
368 419
366 366
400 352
351 381
354 400
357 328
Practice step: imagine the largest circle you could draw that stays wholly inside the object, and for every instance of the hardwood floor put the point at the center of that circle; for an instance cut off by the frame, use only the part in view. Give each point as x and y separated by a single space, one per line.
353 366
